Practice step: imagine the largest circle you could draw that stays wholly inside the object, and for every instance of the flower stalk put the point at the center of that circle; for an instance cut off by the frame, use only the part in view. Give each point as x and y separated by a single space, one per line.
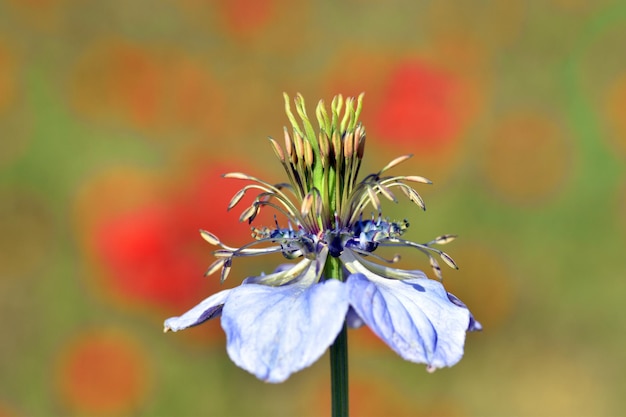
339 374
338 355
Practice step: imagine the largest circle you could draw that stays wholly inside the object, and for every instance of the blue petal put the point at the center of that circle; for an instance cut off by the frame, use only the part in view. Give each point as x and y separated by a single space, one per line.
208 309
414 317
474 325
353 320
274 331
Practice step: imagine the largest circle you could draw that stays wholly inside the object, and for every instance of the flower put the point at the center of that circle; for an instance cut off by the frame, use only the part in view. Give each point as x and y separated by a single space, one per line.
280 323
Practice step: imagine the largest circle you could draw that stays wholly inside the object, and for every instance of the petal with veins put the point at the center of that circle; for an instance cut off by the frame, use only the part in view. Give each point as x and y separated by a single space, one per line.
208 309
414 317
273 332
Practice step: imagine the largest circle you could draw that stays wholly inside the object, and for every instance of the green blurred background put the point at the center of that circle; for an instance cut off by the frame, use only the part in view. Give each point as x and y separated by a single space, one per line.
117 117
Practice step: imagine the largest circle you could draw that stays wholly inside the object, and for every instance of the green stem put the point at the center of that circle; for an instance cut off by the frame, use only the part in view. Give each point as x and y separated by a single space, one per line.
338 355
339 374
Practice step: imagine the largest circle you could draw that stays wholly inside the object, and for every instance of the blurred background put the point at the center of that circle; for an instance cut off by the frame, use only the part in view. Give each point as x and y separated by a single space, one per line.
117 118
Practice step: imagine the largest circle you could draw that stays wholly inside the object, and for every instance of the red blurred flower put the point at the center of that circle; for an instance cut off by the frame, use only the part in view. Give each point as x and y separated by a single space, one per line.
419 105
152 255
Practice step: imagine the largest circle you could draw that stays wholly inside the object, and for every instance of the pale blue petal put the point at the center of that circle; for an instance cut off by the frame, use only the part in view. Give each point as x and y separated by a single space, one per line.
474 325
353 320
273 332
208 309
414 317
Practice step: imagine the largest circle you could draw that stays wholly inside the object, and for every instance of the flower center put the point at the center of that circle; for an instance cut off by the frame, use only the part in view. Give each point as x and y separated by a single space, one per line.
362 236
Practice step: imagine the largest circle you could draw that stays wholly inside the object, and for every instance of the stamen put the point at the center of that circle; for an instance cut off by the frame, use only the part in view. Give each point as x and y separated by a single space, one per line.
299 142
271 191
448 260
288 143
348 145
417 178
209 237
277 150
262 233
307 202
225 271
236 198
435 267
295 217
249 214
413 196
421 247
356 263
324 144
360 137
245 250
442 240
239 176
337 146
308 154
395 162
374 199
217 264
396 258
386 192
223 253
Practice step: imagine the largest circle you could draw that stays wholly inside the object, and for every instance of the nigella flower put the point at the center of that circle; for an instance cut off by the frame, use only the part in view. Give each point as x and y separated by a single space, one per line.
279 323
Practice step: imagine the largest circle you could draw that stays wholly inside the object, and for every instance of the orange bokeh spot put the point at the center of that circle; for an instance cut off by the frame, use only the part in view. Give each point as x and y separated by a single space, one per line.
245 18
152 89
103 373
615 106
527 157
136 83
194 96
363 339
118 80
6 411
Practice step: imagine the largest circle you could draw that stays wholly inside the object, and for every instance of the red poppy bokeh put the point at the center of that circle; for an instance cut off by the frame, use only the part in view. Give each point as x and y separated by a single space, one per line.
149 253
